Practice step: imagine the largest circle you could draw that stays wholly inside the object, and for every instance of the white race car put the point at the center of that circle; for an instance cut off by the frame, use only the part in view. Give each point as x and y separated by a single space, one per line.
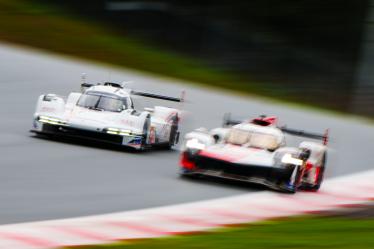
105 112
255 151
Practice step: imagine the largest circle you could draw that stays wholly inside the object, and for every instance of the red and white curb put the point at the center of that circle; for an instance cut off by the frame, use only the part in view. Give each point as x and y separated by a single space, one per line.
344 191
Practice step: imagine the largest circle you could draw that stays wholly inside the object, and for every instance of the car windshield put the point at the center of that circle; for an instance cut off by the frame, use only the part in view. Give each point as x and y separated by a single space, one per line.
102 102
252 139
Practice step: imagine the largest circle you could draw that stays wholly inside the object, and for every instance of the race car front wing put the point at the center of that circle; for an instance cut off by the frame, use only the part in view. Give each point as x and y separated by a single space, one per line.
273 177
130 140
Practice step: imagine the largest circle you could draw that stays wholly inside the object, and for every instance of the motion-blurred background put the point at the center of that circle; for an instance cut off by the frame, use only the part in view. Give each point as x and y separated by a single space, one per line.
309 51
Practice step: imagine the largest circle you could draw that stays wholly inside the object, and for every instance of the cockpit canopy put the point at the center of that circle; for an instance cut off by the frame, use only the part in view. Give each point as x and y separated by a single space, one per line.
103 101
249 136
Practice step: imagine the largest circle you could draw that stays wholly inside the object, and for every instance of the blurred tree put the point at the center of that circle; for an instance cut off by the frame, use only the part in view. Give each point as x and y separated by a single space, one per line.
309 47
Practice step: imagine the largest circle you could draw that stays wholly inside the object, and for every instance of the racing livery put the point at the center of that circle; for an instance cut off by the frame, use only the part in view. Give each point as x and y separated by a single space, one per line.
105 112
255 151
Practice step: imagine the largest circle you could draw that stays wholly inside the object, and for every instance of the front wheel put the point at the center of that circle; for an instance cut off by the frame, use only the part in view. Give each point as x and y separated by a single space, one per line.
293 183
187 174
146 129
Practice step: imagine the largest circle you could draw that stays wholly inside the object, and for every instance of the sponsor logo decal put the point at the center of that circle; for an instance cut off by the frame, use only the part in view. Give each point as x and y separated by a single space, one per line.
47 109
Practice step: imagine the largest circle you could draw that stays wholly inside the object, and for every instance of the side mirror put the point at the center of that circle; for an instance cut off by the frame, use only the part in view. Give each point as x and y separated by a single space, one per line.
216 138
85 86
129 111
149 109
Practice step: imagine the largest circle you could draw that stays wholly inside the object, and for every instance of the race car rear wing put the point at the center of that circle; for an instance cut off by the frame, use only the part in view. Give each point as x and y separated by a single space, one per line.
156 96
300 133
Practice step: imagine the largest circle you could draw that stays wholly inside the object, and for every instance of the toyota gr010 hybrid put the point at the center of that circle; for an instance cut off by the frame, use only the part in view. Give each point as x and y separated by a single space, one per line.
255 151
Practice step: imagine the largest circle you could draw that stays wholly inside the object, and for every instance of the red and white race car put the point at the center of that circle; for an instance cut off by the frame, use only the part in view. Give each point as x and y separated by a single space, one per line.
255 151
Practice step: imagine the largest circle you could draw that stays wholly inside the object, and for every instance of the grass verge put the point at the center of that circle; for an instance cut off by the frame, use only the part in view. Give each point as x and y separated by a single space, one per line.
300 232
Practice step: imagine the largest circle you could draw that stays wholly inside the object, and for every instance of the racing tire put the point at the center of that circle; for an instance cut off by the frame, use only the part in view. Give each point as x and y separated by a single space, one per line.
186 174
47 131
320 176
292 189
146 127
173 139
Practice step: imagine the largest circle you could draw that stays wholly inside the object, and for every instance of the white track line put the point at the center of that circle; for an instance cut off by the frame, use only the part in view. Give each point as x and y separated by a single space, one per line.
338 192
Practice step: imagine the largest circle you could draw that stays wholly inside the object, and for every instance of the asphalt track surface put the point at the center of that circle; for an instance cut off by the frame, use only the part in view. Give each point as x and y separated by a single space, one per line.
44 179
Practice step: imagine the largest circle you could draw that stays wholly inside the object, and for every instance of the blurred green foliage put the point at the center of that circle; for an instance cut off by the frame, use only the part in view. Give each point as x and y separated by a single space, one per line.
53 28
33 24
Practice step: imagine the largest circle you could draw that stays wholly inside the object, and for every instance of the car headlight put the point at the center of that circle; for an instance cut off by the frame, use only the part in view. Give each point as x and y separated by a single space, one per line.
195 144
289 159
50 120
121 132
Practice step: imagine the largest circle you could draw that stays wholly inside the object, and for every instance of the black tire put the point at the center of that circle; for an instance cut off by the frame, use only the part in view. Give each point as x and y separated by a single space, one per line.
146 126
173 132
187 175
293 189
321 174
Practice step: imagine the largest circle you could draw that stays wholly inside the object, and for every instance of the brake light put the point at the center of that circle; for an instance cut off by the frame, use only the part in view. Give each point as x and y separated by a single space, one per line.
186 163
308 165
316 176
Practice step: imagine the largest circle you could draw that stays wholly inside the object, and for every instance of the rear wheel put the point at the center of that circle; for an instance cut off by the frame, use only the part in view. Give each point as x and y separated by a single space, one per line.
320 175
146 128
174 134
